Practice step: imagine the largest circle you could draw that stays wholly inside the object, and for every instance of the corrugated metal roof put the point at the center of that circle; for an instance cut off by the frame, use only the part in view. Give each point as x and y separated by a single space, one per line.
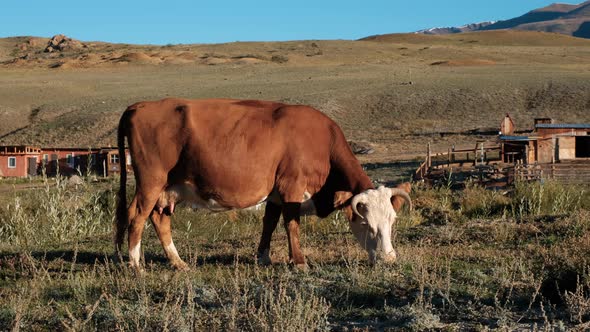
516 138
563 125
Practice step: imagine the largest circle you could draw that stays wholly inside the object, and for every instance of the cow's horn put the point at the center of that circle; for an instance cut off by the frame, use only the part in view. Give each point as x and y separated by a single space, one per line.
402 193
360 198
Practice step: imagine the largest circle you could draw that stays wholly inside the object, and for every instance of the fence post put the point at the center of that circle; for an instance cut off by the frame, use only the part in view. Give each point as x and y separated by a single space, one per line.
429 156
449 157
482 153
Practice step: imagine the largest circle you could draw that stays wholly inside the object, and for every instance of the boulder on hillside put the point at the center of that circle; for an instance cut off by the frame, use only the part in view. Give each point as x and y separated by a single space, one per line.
360 147
60 43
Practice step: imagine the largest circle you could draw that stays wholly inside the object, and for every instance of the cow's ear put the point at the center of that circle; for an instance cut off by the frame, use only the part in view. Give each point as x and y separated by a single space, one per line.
341 198
398 201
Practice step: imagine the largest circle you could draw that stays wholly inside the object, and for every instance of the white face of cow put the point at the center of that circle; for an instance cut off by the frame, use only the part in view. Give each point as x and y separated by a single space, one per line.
372 221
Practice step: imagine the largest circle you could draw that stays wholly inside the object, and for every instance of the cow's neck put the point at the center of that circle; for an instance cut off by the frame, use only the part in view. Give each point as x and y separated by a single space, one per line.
358 181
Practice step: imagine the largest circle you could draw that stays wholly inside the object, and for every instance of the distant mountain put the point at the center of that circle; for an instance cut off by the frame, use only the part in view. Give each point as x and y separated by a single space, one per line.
573 20
450 30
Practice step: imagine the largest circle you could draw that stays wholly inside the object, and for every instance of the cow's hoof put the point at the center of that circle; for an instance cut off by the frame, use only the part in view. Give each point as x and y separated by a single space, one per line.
301 267
137 269
180 266
263 259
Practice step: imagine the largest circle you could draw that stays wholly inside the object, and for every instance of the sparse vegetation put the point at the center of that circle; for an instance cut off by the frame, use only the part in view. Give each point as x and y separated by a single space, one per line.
470 260
279 58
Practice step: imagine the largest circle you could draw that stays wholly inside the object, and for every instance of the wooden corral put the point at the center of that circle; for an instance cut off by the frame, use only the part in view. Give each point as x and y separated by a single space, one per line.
456 166
572 171
551 151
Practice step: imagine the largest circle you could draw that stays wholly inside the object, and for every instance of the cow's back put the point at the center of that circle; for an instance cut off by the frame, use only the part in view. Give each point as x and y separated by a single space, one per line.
233 151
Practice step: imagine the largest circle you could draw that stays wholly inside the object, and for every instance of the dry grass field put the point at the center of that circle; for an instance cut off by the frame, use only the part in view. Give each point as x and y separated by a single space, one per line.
474 260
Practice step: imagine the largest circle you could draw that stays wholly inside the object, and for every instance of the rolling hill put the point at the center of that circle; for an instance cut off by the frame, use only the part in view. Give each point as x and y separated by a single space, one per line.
573 20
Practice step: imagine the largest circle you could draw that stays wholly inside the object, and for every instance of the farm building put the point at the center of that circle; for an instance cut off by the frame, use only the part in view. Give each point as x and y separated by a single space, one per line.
108 161
23 161
548 143
19 161
548 151
67 161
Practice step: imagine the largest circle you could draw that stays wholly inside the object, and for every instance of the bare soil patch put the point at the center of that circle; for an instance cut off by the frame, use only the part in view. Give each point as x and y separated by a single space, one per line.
464 62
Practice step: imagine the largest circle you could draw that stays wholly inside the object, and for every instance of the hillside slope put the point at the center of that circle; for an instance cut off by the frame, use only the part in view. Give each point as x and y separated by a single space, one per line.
566 19
396 92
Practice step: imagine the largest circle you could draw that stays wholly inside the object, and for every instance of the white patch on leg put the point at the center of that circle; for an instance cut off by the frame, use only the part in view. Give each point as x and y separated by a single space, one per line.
174 258
171 251
134 254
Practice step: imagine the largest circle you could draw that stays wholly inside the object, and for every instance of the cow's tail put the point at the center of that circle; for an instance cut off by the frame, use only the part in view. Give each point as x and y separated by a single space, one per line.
122 217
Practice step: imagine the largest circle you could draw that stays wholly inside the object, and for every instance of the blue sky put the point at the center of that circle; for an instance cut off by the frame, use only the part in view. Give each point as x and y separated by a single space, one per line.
216 21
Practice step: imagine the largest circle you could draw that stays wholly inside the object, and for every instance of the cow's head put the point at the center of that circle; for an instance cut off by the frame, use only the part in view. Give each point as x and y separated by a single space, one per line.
371 215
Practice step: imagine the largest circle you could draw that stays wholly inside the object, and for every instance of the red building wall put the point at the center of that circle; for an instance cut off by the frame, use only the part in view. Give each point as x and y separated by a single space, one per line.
21 165
57 159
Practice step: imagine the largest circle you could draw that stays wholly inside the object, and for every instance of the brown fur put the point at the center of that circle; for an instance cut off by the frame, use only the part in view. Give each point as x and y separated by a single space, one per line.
236 152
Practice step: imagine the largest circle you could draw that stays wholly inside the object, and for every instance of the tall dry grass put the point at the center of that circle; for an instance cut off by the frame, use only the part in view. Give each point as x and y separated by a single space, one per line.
470 260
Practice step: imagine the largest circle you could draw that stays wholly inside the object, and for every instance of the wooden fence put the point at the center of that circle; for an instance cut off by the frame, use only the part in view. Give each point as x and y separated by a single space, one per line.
575 171
479 155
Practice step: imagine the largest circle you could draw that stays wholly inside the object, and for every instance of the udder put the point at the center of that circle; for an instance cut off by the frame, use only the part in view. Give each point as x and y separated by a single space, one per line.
168 200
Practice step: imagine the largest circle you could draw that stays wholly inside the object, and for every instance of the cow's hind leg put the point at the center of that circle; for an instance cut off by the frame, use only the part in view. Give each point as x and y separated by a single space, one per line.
272 213
291 216
138 212
161 223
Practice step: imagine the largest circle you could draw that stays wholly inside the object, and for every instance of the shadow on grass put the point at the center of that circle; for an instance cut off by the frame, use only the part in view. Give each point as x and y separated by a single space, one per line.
90 258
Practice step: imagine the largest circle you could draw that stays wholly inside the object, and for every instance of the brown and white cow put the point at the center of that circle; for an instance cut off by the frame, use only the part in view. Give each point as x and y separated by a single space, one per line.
225 154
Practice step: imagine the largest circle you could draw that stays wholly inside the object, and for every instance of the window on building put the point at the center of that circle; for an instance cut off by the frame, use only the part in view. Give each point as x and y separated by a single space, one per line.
11 162
114 158
582 146
45 158
70 159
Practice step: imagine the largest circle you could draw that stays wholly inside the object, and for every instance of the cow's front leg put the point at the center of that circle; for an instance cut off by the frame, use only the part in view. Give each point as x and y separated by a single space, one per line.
161 224
291 216
272 213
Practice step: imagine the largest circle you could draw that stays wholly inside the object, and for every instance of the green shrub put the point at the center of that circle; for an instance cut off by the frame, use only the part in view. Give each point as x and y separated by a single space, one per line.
478 202
57 212
532 199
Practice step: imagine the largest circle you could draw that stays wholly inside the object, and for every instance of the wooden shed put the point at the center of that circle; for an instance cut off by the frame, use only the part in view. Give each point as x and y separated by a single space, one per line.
568 141
549 143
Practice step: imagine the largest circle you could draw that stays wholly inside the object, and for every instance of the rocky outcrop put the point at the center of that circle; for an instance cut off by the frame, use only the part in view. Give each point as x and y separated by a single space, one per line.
61 43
